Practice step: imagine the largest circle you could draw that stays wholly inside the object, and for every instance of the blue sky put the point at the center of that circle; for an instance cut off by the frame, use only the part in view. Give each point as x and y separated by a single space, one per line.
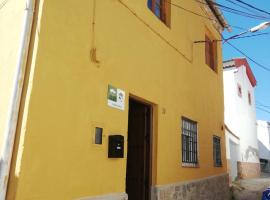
257 48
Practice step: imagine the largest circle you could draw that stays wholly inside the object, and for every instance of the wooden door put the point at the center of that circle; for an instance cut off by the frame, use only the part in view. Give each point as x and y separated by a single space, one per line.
138 174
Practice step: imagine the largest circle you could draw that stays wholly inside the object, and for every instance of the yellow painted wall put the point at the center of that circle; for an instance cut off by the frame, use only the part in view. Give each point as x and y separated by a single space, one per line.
11 17
67 96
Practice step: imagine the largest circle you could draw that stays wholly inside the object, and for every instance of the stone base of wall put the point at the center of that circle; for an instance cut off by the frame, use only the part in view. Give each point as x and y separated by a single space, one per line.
117 196
211 188
248 170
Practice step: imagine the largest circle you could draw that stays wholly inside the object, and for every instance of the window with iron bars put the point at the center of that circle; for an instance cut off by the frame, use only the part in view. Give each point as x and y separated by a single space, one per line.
217 151
189 142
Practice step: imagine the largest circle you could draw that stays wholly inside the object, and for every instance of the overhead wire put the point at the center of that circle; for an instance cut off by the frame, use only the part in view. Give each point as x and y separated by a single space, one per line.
253 35
240 37
209 18
200 15
237 49
240 6
238 27
260 104
235 11
197 14
155 31
254 7
249 58
262 109
206 17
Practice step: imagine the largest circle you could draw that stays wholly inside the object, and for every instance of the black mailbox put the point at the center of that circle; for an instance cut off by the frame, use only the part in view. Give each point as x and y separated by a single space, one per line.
116 146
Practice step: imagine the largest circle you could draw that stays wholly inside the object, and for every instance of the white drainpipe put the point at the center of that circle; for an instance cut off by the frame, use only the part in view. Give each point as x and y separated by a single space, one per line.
9 135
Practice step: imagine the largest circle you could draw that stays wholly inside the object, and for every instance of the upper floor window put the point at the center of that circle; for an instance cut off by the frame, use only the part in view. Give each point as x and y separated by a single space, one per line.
189 142
161 8
239 90
249 98
211 52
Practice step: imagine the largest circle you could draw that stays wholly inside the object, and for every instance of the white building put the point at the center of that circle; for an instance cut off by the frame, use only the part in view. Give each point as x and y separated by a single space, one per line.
263 131
240 119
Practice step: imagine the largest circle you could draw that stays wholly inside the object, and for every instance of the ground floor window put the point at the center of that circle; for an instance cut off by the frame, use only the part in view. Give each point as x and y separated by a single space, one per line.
189 142
217 151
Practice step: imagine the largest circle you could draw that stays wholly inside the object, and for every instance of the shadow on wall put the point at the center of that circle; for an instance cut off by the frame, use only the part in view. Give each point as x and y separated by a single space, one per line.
13 179
1 163
263 148
265 166
251 154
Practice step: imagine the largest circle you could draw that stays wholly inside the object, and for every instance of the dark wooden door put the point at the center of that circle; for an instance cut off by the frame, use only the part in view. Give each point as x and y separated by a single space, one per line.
139 151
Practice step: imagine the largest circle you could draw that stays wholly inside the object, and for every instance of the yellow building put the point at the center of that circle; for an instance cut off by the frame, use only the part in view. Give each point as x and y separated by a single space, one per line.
116 100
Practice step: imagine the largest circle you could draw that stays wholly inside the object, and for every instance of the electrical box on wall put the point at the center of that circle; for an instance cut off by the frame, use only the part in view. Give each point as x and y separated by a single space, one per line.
116 146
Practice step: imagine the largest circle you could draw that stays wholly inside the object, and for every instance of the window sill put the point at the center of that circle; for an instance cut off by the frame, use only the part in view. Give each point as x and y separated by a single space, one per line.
190 165
215 70
218 166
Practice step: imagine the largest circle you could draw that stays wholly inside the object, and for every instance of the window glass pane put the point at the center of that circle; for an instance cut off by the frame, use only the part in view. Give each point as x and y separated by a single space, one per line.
217 151
149 4
158 8
161 9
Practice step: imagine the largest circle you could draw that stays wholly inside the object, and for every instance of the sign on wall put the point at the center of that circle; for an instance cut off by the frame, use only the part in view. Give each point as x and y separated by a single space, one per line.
116 98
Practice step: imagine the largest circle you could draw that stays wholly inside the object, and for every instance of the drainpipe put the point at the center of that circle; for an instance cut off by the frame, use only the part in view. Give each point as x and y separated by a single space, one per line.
10 131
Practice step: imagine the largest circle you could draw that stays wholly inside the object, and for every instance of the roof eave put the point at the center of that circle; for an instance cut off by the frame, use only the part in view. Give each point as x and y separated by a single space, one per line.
218 14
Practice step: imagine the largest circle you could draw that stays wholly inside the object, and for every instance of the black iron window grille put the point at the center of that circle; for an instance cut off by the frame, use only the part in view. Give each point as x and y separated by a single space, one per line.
217 151
189 141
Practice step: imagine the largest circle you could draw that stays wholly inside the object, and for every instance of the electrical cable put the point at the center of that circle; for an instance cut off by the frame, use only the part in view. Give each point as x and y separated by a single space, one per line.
254 7
266 106
254 35
243 7
262 109
238 27
240 37
244 14
248 57
200 15
155 32
197 14
235 11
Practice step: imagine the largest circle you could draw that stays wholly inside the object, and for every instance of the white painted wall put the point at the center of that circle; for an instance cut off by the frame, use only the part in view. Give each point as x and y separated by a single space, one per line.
263 132
234 152
231 138
11 26
240 116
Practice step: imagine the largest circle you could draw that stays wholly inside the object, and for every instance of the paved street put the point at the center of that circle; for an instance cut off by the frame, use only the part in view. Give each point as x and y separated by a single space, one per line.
250 189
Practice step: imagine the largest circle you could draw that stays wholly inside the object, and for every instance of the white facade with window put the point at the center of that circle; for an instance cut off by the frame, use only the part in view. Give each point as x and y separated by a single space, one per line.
240 114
